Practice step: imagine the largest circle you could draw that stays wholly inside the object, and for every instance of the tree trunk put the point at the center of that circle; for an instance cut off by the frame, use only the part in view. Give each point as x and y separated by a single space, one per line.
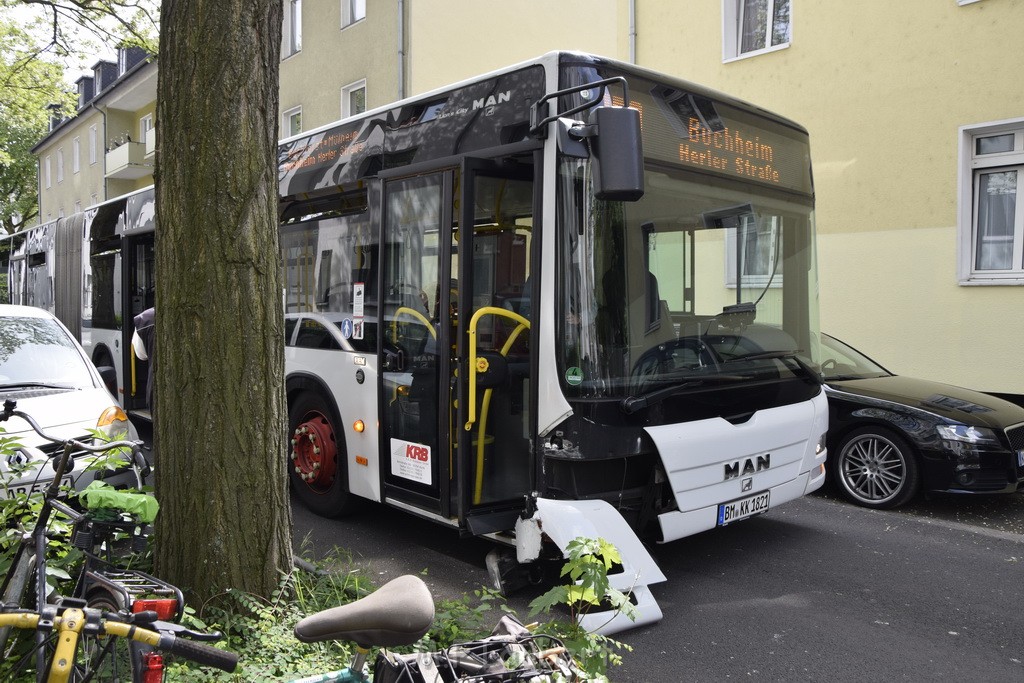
219 407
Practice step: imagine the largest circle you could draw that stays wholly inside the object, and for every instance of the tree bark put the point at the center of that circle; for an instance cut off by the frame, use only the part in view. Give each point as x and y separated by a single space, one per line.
220 416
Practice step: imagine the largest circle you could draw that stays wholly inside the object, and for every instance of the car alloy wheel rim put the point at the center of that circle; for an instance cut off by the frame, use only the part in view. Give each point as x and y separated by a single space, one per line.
314 453
873 469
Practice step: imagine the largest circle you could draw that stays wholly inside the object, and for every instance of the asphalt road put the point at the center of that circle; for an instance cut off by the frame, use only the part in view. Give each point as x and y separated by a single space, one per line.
814 590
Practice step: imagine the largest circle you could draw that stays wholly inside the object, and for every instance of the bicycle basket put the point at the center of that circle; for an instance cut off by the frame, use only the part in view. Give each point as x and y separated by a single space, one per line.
510 653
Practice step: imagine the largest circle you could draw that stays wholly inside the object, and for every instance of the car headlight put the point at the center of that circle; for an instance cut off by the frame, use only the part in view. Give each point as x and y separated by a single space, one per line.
113 424
967 443
968 434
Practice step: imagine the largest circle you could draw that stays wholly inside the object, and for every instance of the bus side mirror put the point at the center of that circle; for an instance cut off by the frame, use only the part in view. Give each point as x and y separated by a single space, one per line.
618 153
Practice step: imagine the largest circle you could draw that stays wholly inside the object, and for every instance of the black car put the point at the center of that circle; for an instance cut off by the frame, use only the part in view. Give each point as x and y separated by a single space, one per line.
891 436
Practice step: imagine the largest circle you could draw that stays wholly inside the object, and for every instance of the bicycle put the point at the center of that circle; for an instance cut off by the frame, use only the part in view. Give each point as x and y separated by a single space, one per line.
70 621
103 586
401 612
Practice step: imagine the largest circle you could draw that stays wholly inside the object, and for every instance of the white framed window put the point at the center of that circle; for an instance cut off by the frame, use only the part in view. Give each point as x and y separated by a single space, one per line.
47 172
76 152
758 254
353 99
991 200
145 125
352 11
78 206
291 34
94 136
60 165
291 122
752 27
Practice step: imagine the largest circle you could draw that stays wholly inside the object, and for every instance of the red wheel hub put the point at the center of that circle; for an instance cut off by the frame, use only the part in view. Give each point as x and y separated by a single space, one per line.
314 451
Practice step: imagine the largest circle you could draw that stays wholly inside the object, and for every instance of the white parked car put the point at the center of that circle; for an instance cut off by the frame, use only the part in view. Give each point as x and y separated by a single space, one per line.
46 372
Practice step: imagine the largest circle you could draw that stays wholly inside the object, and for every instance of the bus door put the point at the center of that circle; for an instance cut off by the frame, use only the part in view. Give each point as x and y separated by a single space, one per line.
416 341
141 294
456 262
15 271
495 418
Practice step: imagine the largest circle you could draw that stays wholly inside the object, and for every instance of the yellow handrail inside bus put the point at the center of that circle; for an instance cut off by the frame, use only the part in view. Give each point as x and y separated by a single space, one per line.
473 322
412 312
524 324
133 367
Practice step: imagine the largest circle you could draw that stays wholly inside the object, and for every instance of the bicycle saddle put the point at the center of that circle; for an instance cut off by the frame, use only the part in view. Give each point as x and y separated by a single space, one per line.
398 613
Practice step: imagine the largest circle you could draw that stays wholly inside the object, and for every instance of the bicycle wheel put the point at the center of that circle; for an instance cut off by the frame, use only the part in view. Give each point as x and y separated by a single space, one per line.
18 579
106 659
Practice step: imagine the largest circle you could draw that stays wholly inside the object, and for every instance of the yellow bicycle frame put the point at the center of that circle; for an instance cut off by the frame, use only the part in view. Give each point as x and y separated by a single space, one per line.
69 627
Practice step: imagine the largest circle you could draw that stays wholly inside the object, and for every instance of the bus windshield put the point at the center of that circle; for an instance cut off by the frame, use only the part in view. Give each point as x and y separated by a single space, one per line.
702 283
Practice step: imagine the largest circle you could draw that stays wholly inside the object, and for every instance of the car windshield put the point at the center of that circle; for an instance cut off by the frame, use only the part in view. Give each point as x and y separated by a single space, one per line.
841 361
38 352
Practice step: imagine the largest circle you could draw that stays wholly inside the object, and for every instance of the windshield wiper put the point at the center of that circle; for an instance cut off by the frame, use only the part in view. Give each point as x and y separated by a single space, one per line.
782 355
760 355
631 404
37 385
841 378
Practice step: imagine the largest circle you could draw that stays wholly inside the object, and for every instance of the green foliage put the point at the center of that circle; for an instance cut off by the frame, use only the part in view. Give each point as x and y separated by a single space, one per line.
35 46
28 84
260 630
67 27
467 618
587 568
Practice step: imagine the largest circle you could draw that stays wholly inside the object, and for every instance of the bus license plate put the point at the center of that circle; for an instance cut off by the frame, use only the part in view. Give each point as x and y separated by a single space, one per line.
743 508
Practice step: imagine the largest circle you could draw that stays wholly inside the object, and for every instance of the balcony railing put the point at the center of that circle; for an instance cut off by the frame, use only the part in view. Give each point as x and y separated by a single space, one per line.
128 161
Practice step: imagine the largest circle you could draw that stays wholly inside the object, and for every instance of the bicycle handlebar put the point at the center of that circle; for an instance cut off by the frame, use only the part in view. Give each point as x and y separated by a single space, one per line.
201 653
74 620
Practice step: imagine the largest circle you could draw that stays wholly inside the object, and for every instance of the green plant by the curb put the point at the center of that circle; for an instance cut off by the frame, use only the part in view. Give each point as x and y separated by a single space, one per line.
587 567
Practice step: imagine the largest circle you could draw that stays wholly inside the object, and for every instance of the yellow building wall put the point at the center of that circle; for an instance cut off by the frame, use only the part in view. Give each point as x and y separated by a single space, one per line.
451 40
332 58
882 87
443 43
81 186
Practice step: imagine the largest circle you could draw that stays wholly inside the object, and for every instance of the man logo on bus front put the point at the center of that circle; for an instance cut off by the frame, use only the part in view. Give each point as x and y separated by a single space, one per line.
748 466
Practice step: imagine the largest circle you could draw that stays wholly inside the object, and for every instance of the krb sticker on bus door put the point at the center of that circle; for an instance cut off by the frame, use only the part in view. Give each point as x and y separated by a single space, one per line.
411 461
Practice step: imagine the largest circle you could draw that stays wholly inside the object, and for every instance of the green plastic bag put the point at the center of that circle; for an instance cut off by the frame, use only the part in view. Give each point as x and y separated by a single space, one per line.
99 495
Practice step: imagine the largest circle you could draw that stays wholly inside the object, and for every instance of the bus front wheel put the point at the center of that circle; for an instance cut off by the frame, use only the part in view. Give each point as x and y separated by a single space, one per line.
317 456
